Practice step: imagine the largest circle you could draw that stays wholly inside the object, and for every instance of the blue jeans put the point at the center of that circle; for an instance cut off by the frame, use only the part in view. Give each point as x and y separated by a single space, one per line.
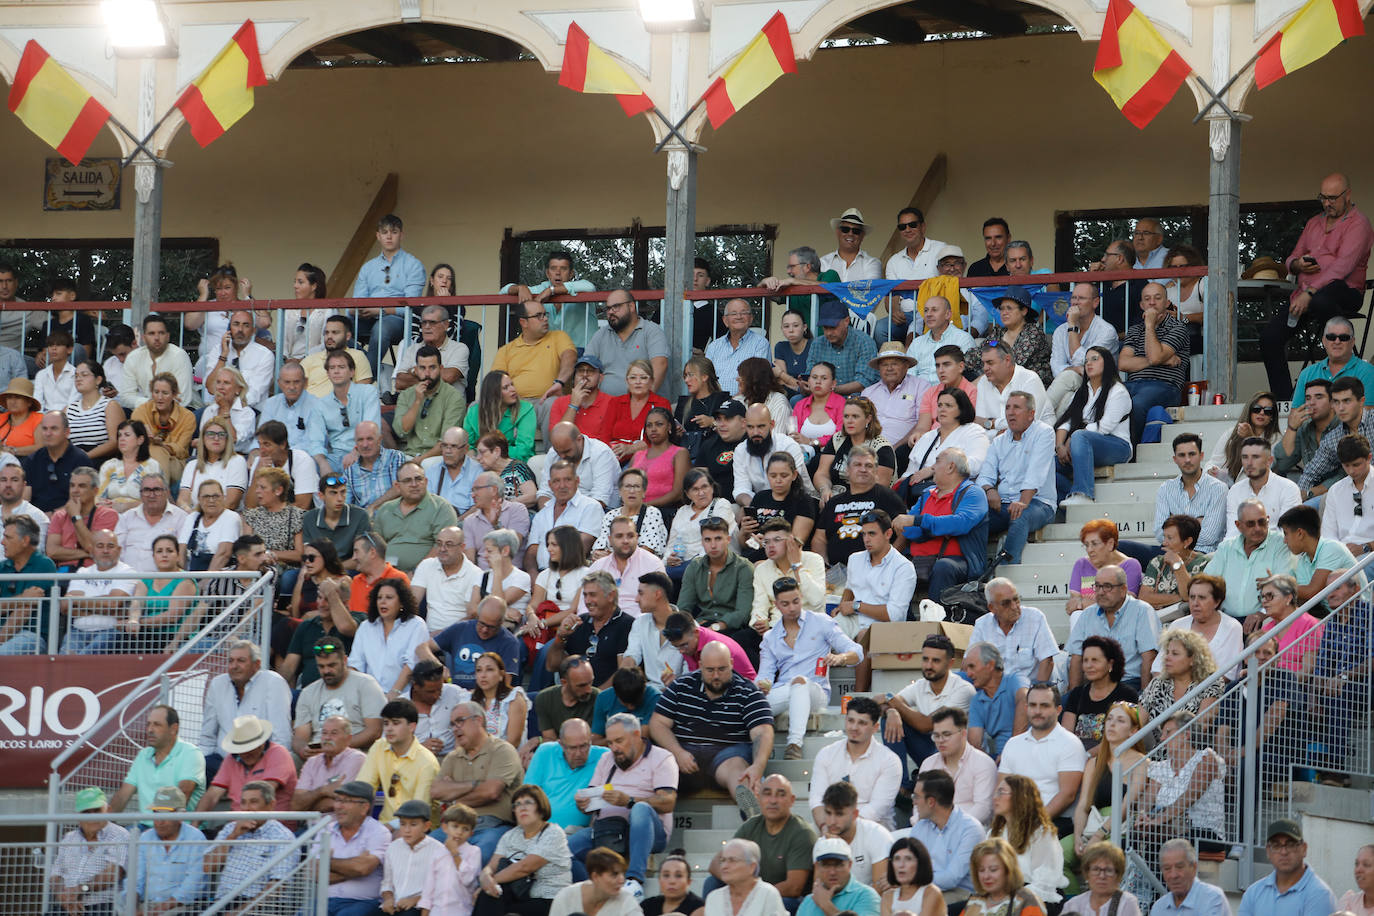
88 642
948 572
647 836
486 838
1148 393
25 642
914 744
1035 516
352 906
386 332
884 330
1089 450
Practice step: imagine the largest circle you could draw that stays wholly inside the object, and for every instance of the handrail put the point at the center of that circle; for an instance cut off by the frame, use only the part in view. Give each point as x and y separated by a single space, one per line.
1149 728
316 831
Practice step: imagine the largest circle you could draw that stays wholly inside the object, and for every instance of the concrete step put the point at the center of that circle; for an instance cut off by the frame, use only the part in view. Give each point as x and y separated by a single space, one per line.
1039 581
1118 511
1135 526
1146 470
1230 411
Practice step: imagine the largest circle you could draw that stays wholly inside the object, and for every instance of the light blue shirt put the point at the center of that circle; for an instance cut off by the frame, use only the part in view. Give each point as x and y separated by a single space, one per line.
364 404
1029 642
923 349
995 715
1329 555
549 769
171 874
1202 899
304 421
1309 896
1013 465
457 491
727 358
1356 367
854 897
1136 630
1152 261
1208 506
1099 334
950 848
576 319
406 277
819 634
1271 557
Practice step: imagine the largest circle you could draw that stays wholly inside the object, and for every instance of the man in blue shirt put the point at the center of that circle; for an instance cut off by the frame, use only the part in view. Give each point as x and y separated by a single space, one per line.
49 470
392 273
1018 476
464 641
25 630
740 342
835 888
301 413
948 833
998 709
1131 622
170 857
1292 888
564 767
1186 894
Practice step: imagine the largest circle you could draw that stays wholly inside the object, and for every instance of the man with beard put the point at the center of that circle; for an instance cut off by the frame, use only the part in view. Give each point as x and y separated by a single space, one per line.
338 335
751 463
626 338
838 529
340 691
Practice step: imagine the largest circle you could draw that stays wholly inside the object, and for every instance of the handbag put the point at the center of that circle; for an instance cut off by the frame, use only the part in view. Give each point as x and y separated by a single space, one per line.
967 602
613 833
520 888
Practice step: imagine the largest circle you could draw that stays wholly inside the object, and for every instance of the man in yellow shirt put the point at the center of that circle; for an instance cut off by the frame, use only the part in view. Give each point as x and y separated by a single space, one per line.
539 361
338 334
397 763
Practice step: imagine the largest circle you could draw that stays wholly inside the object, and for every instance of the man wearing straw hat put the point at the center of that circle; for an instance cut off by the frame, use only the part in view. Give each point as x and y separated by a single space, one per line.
896 395
250 754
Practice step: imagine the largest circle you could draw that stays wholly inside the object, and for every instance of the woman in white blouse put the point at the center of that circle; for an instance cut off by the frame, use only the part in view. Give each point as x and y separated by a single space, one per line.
392 639
215 460
1095 431
1020 818
954 428
653 534
684 539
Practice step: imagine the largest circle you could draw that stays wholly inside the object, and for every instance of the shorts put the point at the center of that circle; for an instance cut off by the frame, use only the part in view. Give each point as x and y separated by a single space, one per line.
709 757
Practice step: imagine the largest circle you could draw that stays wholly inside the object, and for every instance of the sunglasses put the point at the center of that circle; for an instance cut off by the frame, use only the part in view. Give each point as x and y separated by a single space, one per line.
1267 411
851 230
343 417
1359 504
1343 338
310 557
386 274
395 781
327 648
333 480
911 225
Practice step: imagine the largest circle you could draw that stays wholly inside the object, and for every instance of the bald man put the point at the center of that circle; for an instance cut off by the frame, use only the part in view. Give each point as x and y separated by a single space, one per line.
598 470
301 413
751 462
371 480
1148 242
738 343
1155 353
1328 265
784 838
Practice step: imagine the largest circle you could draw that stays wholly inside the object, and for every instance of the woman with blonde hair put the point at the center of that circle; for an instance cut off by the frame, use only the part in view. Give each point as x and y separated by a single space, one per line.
1187 662
999 889
170 426
227 387
215 460
1094 808
859 426
1020 818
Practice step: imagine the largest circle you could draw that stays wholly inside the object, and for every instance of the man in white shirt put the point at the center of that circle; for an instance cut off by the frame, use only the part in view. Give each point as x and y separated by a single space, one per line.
879 583
1348 516
1279 494
155 516
974 772
1048 754
158 354
939 332
647 647
239 350
568 505
751 461
1001 376
597 468
850 261
453 355
447 580
1022 635
12 501
916 260
862 761
95 602
1082 329
246 688
868 840
908 720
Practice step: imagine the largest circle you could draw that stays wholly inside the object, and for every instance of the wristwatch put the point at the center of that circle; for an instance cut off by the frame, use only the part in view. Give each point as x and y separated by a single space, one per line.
85 888
1073 329
1176 566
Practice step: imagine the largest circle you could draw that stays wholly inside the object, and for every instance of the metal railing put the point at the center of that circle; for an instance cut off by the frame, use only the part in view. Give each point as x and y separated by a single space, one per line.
129 868
102 755
1223 777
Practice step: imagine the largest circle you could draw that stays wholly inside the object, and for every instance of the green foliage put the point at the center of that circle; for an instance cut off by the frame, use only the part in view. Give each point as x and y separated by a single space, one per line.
105 274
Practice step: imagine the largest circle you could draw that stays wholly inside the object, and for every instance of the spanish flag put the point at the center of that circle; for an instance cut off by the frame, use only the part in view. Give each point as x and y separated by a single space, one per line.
52 104
766 58
1315 30
1137 67
224 92
587 68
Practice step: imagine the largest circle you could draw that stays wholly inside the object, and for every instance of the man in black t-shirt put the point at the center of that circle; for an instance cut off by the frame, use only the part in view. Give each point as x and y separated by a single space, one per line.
600 636
996 234
837 528
1121 298
718 455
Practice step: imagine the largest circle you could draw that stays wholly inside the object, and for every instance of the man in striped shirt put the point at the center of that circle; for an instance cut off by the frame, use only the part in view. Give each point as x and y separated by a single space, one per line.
716 722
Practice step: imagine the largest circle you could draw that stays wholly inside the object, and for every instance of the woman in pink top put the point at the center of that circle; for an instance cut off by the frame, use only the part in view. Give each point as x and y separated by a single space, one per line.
1278 600
663 463
820 414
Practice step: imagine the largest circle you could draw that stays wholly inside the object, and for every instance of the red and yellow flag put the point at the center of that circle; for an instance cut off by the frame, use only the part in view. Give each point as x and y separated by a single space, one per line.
765 59
1137 67
587 68
52 104
224 92
1315 30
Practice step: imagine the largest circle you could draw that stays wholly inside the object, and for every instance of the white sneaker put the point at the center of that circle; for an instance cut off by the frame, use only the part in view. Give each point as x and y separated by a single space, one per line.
1076 499
635 888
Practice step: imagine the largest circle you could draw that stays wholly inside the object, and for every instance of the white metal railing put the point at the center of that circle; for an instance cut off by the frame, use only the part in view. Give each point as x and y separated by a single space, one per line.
278 877
1251 744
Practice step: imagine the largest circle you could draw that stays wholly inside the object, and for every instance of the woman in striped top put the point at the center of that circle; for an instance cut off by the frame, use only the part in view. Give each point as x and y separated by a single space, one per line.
93 418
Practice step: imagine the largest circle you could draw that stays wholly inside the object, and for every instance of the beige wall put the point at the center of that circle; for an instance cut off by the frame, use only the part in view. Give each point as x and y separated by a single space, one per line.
485 146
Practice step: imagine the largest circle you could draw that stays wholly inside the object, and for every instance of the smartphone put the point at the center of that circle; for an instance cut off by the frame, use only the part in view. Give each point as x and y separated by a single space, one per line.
751 512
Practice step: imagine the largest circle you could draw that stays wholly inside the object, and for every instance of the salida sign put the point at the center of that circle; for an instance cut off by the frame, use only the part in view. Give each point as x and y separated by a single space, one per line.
50 703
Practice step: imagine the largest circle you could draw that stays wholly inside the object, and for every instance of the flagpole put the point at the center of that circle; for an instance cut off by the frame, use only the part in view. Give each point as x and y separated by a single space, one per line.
1217 96
141 144
673 129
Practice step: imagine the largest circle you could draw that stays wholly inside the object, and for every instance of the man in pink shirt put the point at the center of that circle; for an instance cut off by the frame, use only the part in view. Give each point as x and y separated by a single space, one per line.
684 635
251 754
1328 265
626 562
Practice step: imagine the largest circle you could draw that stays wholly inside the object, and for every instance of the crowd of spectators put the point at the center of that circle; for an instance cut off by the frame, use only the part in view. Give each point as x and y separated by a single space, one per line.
522 607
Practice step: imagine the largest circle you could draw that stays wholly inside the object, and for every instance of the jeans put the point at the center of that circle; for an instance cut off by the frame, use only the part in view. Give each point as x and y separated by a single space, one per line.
485 838
885 330
25 642
90 642
1149 393
914 744
647 836
352 906
386 332
1087 451
1335 298
1142 551
948 572
798 700
1034 517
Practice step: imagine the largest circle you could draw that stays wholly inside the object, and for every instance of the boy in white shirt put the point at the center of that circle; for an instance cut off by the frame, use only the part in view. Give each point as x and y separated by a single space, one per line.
409 859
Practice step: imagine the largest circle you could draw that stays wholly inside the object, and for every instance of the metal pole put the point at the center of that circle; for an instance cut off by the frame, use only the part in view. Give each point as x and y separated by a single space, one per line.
54 618
1223 257
1252 773
131 872
322 863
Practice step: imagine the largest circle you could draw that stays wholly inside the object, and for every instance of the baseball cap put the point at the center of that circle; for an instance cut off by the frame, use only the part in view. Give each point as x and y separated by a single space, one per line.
168 798
89 799
831 847
833 312
587 359
731 408
1285 826
949 251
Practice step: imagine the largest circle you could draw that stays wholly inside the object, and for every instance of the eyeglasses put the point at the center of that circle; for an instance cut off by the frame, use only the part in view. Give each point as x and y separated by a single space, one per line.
1265 597
216 434
1284 845
152 489
540 314
1343 338
1267 411
1106 586
911 225
1103 871
431 322
229 268
395 781
458 722
1324 198
411 479
851 230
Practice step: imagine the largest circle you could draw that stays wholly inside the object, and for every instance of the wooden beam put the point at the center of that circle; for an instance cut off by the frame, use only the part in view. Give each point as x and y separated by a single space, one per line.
891 25
975 16
340 282
932 183
486 45
383 45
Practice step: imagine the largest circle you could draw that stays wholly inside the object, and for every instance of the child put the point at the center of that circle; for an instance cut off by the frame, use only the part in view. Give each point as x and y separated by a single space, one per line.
451 885
409 859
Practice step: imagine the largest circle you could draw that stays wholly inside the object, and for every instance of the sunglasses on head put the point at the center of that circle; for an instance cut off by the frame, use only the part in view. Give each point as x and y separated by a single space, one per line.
1343 338
327 648
333 480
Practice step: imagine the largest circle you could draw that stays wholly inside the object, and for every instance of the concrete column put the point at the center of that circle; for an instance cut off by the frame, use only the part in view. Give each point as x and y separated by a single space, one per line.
679 254
148 206
1223 257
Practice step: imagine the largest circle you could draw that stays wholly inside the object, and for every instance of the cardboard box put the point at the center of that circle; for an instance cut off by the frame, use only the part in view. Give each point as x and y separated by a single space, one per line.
898 645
